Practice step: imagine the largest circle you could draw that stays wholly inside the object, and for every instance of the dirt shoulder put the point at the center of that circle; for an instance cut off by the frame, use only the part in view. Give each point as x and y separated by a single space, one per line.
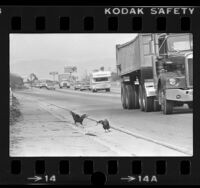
38 133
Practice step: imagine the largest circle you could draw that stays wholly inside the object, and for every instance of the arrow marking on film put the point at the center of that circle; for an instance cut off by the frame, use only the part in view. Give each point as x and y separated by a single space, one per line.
129 178
36 178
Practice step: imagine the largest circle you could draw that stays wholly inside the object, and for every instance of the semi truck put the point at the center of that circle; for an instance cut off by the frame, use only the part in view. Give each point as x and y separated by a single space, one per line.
64 80
156 71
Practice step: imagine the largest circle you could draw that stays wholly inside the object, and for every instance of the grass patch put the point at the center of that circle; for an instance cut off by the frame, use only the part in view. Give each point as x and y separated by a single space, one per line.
14 111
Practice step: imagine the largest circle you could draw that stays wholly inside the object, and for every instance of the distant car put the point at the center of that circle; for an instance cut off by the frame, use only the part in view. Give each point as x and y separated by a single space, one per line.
85 86
37 85
77 85
47 84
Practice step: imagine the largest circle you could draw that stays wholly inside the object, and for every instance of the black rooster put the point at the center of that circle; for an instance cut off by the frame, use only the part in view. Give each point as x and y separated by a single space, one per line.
105 124
78 118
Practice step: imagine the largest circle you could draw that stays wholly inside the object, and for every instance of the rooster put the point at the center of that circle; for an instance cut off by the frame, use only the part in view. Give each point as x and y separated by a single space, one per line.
78 118
105 124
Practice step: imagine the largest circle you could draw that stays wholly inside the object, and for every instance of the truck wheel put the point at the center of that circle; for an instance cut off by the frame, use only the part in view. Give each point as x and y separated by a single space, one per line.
167 105
141 98
107 90
129 97
156 106
123 93
190 105
147 102
136 97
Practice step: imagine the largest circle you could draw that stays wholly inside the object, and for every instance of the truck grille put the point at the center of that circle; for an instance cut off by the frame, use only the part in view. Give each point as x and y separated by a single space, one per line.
190 71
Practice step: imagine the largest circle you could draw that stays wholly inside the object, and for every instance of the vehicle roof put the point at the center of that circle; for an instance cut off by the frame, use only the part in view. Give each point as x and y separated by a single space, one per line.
101 74
143 34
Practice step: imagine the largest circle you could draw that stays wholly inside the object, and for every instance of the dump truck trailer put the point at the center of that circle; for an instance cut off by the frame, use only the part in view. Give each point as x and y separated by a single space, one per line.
156 72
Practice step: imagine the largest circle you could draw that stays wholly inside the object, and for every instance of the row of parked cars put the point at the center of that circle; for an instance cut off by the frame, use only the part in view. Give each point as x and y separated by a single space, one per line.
79 85
93 87
47 84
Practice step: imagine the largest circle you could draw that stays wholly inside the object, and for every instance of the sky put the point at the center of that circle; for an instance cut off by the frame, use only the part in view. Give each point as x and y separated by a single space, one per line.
44 53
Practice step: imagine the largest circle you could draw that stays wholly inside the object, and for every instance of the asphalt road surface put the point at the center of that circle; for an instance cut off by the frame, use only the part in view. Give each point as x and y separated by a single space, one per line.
133 132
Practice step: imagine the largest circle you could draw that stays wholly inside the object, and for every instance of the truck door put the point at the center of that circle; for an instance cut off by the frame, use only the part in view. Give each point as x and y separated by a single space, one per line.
146 57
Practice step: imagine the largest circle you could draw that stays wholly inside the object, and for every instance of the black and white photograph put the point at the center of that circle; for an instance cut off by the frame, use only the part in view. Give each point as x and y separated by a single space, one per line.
104 95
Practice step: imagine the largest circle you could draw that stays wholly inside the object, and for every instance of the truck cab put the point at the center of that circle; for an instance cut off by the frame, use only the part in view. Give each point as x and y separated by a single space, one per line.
64 84
64 80
174 71
156 71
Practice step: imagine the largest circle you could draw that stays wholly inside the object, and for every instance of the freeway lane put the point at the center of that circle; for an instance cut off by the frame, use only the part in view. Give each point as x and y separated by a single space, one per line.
174 130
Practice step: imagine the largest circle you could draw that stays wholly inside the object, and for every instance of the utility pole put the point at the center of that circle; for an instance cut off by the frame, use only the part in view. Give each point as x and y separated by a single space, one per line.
53 74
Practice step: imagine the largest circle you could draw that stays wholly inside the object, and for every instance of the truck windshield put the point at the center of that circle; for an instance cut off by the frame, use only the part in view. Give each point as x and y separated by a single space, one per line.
101 79
178 68
179 43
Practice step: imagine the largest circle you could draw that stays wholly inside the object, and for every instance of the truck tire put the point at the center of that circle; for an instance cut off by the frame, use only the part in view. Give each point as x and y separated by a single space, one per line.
129 96
166 105
147 102
107 90
136 97
123 100
156 106
141 98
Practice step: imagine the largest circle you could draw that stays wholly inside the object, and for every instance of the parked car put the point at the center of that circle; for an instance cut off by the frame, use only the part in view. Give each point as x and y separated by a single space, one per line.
77 85
47 84
85 86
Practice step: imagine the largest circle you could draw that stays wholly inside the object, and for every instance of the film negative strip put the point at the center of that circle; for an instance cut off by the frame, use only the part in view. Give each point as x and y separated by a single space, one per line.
99 95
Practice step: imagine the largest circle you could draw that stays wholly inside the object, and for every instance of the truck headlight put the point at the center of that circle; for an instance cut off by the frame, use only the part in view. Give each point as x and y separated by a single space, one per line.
172 81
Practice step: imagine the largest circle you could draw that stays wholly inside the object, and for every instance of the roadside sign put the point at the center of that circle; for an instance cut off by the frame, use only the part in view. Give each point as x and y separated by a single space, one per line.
69 69
53 73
